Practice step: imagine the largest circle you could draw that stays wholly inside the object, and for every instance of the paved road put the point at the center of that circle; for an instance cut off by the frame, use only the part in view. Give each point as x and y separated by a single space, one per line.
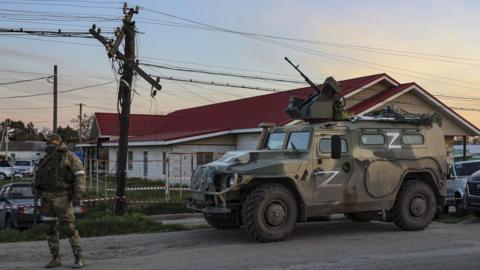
321 245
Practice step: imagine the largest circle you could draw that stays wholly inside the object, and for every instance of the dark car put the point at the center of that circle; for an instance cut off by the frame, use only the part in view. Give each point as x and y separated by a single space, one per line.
16 206
473 193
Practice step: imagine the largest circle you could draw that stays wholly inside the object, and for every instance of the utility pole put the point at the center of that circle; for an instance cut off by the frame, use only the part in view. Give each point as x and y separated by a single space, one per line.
80 118
130 66
55 93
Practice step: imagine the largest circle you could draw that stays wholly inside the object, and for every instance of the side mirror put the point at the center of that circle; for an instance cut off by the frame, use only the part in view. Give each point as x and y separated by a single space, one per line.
336 147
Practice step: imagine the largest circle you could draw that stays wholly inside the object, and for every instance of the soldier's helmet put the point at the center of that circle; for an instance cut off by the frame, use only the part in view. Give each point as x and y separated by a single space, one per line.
54 136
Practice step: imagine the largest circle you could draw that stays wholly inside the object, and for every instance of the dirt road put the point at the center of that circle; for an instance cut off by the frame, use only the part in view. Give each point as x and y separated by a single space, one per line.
321 245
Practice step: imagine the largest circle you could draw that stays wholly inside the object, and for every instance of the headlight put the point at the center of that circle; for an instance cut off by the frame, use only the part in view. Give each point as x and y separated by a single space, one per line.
244 158
230 181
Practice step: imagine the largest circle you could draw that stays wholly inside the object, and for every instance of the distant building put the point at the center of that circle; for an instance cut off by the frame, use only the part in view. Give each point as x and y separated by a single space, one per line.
30 150
174 144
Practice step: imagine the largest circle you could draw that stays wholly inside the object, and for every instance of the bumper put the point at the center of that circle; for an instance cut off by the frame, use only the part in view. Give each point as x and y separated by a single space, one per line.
452 201
473 203
25 220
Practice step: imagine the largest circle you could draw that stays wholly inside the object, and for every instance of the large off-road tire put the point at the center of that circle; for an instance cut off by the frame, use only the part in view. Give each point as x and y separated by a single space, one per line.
223 221
269 213
362 216
476 213
415 206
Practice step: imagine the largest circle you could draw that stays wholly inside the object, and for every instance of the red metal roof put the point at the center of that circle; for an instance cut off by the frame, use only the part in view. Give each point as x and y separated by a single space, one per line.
380 97
140 124
236 114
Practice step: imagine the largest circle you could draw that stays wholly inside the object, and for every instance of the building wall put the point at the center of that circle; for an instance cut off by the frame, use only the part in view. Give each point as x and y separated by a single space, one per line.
247 141
414 103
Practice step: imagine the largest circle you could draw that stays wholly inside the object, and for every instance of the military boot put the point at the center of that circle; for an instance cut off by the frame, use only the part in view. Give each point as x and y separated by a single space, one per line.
79 261
55 262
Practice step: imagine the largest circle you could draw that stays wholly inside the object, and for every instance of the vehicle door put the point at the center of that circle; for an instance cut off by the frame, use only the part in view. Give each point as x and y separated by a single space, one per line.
330 176
3 210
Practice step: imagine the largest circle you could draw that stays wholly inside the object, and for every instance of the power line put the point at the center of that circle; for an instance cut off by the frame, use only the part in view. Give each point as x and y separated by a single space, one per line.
210 72
63 91
27 80
405 53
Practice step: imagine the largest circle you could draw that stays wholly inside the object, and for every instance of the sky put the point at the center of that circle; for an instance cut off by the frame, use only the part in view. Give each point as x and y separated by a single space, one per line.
433 43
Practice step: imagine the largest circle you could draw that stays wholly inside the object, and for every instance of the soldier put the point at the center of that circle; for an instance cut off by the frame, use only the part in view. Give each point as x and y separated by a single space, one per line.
60 182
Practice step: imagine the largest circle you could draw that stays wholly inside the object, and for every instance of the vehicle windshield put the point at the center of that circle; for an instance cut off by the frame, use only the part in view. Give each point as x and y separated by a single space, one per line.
22 163
466 169
21 192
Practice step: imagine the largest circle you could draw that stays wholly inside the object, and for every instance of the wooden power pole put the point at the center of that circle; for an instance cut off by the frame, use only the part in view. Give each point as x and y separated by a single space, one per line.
55 94
130 66
80 119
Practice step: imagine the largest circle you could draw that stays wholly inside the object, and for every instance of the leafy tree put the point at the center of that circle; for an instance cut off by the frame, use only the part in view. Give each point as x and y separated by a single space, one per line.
86 124
18 131
68 134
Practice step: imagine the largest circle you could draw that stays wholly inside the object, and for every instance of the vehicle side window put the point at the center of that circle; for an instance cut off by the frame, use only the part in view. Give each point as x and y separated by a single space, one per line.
275 140
413 139
325 145
1 192
373 139
299 140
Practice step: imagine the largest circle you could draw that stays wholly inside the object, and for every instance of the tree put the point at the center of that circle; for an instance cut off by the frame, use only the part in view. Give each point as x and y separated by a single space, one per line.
86 124
18 131
68 134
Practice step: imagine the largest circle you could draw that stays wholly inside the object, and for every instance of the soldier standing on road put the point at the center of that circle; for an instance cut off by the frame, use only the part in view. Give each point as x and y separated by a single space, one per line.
60 181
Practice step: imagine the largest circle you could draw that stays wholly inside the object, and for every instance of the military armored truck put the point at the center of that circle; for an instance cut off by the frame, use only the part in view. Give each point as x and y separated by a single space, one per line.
329 163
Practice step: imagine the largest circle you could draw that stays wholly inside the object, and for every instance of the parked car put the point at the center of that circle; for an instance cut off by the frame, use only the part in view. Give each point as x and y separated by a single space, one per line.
5 172
25 168
17 206
457 184
473 194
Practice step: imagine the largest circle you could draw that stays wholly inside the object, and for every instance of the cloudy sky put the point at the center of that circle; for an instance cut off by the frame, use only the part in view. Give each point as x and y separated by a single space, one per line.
434 43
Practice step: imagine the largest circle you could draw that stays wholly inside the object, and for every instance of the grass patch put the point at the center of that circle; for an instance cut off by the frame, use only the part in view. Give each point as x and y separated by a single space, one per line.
98 224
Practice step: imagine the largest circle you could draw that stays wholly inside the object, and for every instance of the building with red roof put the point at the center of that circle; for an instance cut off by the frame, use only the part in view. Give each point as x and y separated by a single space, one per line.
175 143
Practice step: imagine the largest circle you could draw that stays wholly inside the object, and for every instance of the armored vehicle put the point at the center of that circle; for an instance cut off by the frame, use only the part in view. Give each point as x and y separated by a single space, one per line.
329 163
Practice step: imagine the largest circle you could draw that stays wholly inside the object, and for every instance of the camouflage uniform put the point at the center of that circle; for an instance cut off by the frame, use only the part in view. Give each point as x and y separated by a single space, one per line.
60 180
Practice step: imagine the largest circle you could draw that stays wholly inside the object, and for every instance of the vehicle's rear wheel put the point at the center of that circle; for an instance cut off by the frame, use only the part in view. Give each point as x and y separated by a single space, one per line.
9 223
362 216
269 213
476 213
223 221
415 206
3 176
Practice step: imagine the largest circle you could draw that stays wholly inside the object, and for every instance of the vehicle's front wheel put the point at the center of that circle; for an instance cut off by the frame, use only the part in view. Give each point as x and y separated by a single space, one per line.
9 223
415 206
460 207
362 216
223 221
269 213
3 176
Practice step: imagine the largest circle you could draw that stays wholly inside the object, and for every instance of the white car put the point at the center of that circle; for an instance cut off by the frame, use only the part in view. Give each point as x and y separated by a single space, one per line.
5 172
24 167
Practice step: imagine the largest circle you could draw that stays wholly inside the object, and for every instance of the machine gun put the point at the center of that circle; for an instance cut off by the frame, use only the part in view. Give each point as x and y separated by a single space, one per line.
325 104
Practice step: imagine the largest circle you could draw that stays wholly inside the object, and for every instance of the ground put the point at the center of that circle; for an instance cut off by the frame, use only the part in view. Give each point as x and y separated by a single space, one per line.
321 245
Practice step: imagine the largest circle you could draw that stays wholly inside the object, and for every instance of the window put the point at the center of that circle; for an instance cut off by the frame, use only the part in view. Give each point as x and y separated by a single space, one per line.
22 163
164 163
373 139
130 160
326 144
145 164
299 140
204 158
413 139
465 169
21 192
275 140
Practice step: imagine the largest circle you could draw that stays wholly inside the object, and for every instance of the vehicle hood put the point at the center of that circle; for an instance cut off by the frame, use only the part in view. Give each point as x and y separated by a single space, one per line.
456 184
260 161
